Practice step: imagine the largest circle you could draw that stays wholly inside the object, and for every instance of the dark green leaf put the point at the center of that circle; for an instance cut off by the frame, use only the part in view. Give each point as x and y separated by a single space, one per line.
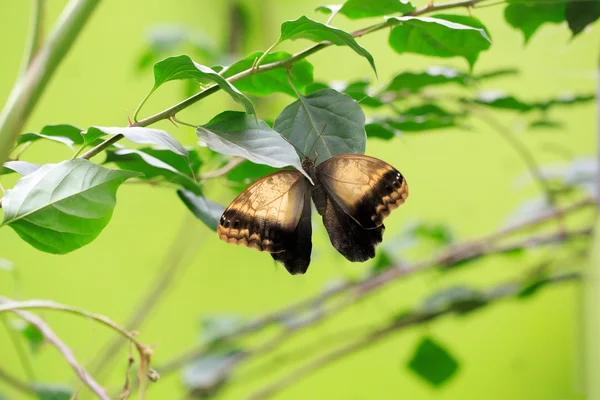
361 92
313 87
65 134
433 362
45 391
498 99
460 299
273 81
355 9
205 210
20 167
182 67
532 285
439 233
62 207
528 16
434 75
306 28
381 129
580 14
422 118
440 36
236 134
383 261
248 172
33 336
141 136
340 115
158 163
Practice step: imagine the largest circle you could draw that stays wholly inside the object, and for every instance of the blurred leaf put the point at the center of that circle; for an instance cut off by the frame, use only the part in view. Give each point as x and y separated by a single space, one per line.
359 91
381 129
528 16
306 28
422 118
581 14
442 35
62 207
500 99
433 362
182 67
45 391
247 173
65 134
433 75
20 167
216 326
6 265
566 99
530 286
461 299
208 374
141 136
32 335
340 115
315 86
355 9
236 134
545 124
274 81
495 73
383 261
439 233
205 210
153 163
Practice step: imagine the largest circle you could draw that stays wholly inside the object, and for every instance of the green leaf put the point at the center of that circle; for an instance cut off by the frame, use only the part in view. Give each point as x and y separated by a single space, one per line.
440 36
528 16
62 207
141 136
45 391
182 67
216 326
247 173
207 375
581 14
383 261
361 92
33 336
434 75
205 210
306 28
439 233
381 129
433 363
422 118
155 163
273 81
20 167
65 134
236 134
342 118
355 9
460 299
499 99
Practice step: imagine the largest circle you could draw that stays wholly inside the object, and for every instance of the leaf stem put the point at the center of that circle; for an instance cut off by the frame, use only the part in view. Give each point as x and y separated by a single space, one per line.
263 55
34 42
144 100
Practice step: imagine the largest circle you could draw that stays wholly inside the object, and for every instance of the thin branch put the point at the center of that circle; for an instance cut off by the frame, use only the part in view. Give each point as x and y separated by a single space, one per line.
62 348
16 384
233 162
144 351
36 34
355 291
288 62
425 315
28 89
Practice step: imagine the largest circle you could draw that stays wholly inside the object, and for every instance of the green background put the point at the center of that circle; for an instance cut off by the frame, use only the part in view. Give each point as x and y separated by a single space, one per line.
468 179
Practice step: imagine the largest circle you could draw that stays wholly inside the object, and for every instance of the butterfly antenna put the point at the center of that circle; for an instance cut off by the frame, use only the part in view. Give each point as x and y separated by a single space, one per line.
317 139
294 146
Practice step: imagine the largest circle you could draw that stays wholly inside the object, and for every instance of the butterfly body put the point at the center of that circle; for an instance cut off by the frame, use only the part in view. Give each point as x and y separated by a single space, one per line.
353 193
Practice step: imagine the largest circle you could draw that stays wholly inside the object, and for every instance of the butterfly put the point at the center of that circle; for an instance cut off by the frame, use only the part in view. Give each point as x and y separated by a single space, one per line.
352 192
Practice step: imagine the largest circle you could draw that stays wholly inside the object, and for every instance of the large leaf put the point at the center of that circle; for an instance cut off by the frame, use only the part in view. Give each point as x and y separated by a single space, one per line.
65 134
581 14
306 28
355 9
182 67
236 134
440 36
158 163
528 16
205 210
62 207
340 115
20 167
275 80
142 136
433 362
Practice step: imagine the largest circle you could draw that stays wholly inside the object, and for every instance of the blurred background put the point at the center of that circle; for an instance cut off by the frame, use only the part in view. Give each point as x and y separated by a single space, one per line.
465 181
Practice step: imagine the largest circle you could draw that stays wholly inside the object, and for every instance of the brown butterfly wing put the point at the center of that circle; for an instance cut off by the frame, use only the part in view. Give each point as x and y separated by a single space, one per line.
365 188
273 215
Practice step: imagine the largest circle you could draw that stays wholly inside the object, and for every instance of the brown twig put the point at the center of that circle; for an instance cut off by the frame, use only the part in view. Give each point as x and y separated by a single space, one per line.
355 291
53 339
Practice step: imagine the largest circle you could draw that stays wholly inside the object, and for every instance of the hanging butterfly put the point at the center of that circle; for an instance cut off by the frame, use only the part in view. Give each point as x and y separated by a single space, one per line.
352 192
